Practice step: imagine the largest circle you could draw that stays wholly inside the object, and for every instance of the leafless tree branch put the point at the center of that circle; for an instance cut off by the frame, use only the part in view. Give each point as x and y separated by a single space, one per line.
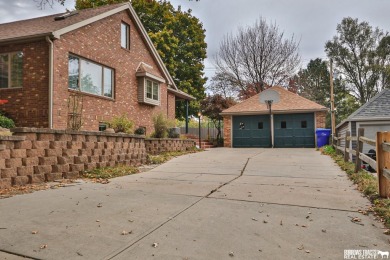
257 56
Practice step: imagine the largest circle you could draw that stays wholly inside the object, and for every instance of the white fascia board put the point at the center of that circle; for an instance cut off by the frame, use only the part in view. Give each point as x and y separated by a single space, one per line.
57 34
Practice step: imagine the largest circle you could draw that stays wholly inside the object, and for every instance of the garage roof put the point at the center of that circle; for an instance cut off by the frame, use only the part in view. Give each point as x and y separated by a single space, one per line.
289 103
378 108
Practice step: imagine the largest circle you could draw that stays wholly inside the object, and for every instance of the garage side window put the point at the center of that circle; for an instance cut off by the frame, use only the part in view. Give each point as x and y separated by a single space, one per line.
242 126
283 124
304 124
260 125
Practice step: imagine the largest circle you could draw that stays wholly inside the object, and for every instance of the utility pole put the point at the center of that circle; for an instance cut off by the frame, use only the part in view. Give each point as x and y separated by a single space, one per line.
332 108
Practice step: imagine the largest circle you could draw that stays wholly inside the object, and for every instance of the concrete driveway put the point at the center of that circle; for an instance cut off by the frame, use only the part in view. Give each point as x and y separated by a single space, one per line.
218 204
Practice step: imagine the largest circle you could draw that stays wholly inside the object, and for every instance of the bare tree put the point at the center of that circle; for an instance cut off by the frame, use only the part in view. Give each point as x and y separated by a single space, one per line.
257 56
41 4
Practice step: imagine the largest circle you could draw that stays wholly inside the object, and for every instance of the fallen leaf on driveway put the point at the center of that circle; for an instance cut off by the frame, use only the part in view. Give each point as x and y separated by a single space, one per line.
301 247
254 219
324 230
231 254
303 226
43 246
126 232
281 222
99 205
307 251
265 221
155 245
387 232
356 220
34 232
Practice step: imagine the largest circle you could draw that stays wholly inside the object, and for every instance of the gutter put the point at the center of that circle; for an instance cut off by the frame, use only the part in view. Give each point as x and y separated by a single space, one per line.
245 113
51 72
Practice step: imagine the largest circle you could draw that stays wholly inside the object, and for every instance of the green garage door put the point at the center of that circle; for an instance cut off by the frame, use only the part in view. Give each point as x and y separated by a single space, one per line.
251 131
294 130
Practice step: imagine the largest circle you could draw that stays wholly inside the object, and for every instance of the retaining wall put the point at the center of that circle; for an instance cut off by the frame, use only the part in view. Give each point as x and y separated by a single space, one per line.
156 146
36 155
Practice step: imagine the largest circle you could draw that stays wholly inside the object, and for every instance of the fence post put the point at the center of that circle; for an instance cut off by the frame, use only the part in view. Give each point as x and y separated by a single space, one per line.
359 149
337 141
382 162
346 146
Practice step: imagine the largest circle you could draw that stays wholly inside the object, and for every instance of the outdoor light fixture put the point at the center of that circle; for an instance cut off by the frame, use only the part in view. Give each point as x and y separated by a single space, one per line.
200 144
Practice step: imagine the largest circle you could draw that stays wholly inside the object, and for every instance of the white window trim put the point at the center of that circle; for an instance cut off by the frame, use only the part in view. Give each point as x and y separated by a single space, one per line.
103 67
158 90
127 35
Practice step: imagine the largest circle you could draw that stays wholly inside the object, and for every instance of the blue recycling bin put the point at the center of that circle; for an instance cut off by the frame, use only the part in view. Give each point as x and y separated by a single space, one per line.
323 135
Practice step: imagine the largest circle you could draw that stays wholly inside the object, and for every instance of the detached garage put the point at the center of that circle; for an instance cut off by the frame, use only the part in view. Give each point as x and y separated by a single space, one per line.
374 116
292 121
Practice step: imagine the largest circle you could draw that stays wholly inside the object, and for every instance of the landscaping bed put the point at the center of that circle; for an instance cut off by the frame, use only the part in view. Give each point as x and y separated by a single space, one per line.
367 184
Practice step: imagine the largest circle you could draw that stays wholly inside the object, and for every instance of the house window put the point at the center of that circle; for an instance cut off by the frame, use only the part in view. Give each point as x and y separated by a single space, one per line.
283 124
90 77
260 125
152 90
242 126
102 127
11 70
303 124
125 36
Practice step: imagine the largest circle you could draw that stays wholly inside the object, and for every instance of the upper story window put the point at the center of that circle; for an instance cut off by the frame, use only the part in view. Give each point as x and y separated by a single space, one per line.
125 36
11 70
90 77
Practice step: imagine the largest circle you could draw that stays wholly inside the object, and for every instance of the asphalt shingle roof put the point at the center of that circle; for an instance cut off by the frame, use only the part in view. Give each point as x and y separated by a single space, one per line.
46 24
377 107
289 102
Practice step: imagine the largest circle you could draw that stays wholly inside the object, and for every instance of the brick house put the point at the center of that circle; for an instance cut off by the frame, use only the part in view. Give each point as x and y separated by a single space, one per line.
292 124
103 52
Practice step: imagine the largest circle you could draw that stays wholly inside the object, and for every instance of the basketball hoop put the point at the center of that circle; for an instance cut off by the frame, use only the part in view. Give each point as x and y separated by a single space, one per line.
270 97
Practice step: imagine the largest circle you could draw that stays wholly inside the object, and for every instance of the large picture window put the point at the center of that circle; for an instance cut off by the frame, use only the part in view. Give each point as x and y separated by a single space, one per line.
152 90
90 77
125 36
11 70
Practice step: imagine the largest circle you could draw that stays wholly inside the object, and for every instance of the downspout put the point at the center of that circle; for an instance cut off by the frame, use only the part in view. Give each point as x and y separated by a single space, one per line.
51 72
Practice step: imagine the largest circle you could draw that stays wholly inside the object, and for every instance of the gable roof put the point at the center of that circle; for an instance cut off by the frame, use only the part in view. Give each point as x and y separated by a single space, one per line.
378 108
48 26
289 103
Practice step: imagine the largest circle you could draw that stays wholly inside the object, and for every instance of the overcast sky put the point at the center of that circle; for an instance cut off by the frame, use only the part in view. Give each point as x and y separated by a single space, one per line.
312 22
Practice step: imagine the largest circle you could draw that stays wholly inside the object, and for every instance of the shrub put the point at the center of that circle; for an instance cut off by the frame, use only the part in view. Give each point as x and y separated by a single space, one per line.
161 125
6 122
140 131
121 124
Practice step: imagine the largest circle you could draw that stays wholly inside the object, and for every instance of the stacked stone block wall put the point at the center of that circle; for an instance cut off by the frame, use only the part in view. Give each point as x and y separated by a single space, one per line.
35 155
156 146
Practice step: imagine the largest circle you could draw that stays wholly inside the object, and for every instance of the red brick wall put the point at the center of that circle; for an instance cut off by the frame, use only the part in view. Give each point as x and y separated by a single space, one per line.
28 105
227 131
320 119
100 42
